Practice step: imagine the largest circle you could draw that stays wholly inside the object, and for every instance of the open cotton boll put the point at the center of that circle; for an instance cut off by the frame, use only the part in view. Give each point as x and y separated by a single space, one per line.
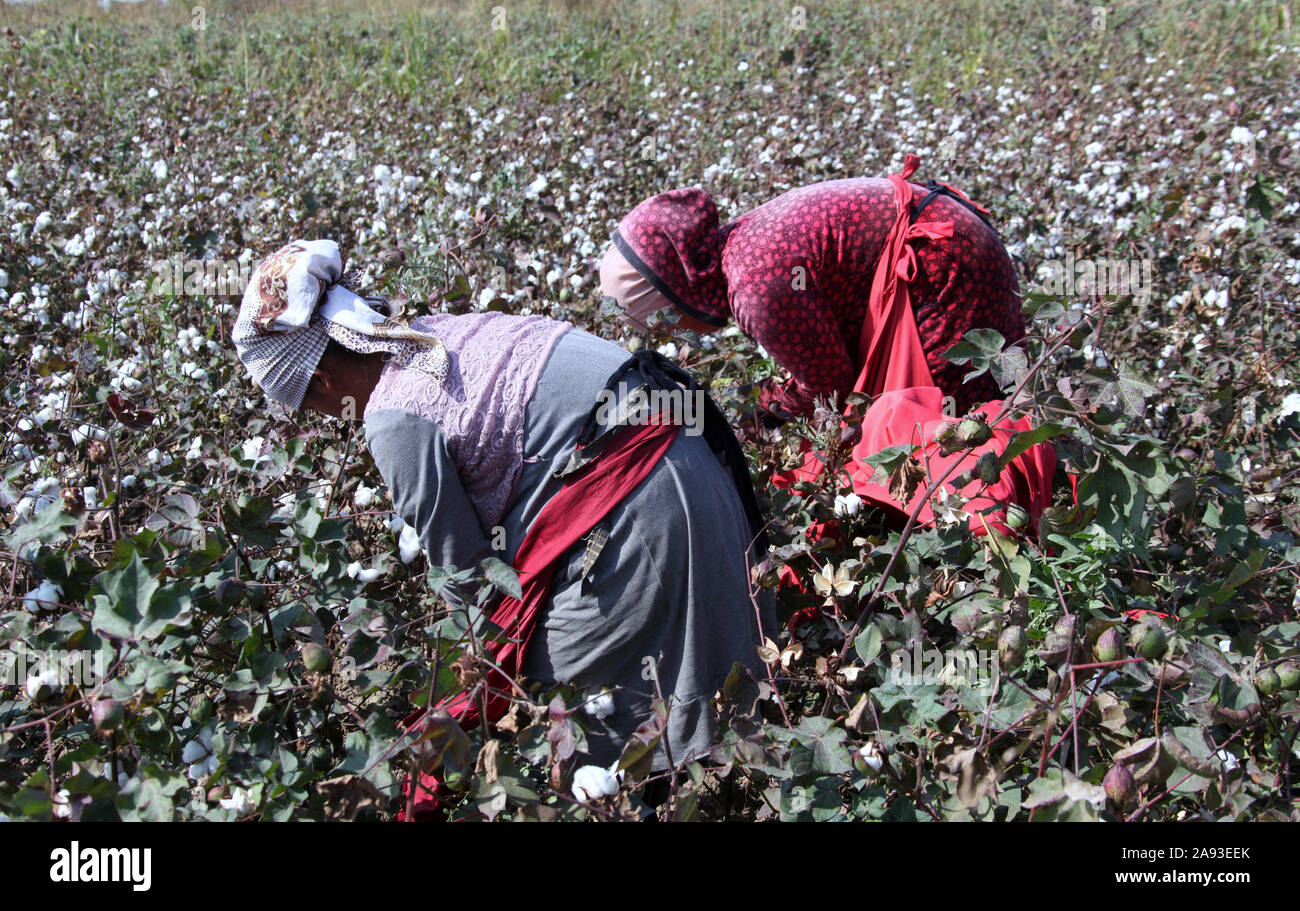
364 576
252 450
870 756
364 497
848 504
592 782
408 544
47 677
45 595
198 755
600 706
240 800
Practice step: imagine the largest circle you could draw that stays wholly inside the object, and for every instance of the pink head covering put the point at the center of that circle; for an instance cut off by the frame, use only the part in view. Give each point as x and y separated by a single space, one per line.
672 241
639 299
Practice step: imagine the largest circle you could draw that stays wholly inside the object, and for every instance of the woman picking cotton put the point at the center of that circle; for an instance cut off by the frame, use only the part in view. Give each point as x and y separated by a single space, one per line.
631 533
855 285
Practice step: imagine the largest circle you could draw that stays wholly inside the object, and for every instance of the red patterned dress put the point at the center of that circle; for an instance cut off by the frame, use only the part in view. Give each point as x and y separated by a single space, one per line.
796 273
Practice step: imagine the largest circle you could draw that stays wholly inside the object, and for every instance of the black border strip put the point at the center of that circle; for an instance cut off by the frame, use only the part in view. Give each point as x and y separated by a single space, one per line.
626 249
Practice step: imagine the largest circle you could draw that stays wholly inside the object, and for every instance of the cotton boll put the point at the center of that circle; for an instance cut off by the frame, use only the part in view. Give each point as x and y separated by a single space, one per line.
198 755
252 450
870 757
46 595
1229 761
364 497
87 432
1290 406
592 782
240 800
1233 224
848 504
600 706
62 807
48 677
408 544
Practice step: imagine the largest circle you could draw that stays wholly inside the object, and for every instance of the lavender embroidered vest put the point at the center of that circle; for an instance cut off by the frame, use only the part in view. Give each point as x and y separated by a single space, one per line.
495 361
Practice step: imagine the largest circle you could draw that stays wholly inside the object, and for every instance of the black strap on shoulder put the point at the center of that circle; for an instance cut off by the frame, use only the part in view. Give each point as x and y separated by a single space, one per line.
661 373
939 189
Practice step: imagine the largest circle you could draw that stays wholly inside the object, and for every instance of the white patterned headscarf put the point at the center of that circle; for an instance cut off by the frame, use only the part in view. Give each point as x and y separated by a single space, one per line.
294 305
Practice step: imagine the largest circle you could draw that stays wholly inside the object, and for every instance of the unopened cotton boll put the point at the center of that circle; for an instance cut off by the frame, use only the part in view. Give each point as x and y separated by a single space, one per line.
592 782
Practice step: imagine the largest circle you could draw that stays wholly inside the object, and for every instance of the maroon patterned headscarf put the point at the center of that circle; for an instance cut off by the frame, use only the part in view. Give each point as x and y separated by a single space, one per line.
672 239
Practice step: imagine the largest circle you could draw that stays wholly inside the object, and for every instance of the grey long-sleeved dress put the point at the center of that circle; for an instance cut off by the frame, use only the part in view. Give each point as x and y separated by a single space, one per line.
669 593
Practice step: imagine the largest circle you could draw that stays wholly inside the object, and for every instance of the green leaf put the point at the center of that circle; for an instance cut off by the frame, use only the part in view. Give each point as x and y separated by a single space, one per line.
868 644
979 348
49 526
1024 439
503 577
889 459
1134 392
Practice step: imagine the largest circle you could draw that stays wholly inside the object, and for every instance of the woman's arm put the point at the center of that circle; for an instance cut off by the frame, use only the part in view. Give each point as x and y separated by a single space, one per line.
802 336
412 455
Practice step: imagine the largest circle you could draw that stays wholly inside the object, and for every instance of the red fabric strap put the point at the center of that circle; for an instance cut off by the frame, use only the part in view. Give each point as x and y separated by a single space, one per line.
890 345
